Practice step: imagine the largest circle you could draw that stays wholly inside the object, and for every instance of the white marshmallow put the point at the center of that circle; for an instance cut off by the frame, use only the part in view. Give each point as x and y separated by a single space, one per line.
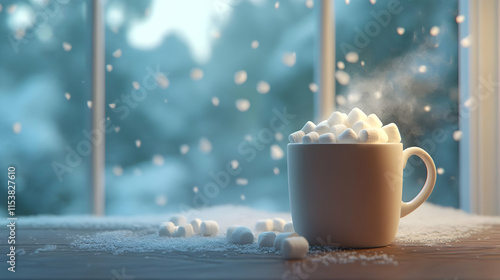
374 121
280 237
209 228
278 224
327 138
178 220
357 127
308 127
266 239
311 137
288 227
242 235
348 137
196 223
185 231
294 248
322 128
167 229
373 135
230 231
392 133
296 137
338 129
355 116
337 118
264 225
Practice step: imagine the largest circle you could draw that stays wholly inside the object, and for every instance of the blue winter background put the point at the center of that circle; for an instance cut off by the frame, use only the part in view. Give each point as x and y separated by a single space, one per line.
188 124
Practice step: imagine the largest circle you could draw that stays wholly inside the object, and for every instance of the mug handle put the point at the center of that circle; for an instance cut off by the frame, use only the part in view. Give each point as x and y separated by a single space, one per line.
408 207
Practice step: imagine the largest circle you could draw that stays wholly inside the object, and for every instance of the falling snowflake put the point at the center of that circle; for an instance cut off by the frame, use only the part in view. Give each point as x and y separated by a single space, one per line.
352 57
240 77
138 143
161 200
109 67
117 129
440 171
67 46
158 160
118 170
195 189
276 5
16 127
377 95
457 135
112 105
117 53
465 42
205 145
242 105
341 100
137 172
254 44
422 69
373 1
215 101
276 171
242 197
313 87
136 85
276 152
310 4
162 80
196 74
427 108
67 95
434 31
460 18
400 30
184 149
289 59
235 164
278 136
347 2
263 87
342 77
242 181
89 104
341 65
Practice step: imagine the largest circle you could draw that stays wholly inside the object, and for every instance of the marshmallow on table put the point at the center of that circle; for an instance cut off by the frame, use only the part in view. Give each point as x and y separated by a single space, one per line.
311 137
308 127
296 137
167 229
392 133
278 224
348 137
288 227
266 239
337 118
264 225
357 127
327 138
178 220
280 237
230 231
374 121
184 231
338 129
209 228
242 235
196 223
355 116
373 135
322 128
294 248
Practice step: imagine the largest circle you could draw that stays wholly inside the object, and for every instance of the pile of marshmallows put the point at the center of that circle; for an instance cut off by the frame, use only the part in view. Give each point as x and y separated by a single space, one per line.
273 233
340 128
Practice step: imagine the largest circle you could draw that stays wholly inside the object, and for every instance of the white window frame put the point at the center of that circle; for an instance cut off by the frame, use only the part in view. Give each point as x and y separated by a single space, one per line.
479 75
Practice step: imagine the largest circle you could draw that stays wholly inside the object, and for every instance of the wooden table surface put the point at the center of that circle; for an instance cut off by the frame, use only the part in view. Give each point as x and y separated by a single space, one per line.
475 257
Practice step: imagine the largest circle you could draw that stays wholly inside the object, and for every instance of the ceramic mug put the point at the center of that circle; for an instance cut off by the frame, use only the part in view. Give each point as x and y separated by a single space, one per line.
349 195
